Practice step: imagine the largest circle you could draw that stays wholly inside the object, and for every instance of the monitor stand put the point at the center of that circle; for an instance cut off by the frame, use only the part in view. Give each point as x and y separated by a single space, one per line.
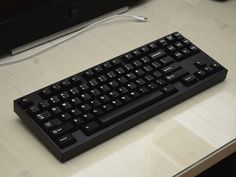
65 32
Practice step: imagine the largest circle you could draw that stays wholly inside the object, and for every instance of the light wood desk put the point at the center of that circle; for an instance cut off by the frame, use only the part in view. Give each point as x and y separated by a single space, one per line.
163 146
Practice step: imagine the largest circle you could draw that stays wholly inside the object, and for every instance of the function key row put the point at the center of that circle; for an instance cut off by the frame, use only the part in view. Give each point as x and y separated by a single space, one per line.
175 45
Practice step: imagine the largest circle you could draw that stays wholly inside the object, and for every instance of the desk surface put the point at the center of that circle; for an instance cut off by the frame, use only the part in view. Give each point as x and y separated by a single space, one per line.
162 146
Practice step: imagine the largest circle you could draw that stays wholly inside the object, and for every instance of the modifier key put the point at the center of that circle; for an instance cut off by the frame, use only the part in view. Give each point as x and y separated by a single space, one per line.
169 89
176 75
62 129
65 141
90 128
189 80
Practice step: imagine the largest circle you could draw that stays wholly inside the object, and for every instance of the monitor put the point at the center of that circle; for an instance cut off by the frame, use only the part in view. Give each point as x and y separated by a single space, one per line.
27 23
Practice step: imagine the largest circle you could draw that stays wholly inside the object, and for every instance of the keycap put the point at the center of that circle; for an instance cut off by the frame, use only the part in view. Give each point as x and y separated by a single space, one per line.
178 56
87 117
102 78
115 62
107 65
61 129
131 86
122 80
44 105
137 52
145 60
56 110
25 102
208 69
65 83
161 82
216 66
158 54
148 68
163 42
95 92
104 88
107 107
74 91
186 41
170 38
152 45
139 72
98 69
123 90
169 89
157 74
65 141
170 69
75 80
144 49
56 88
90 127
185 51
137 63
131 76
116 103
176 75
156 64
200 74
43 116
66 105
89 73
104 98
64 95
113 84
85 97
65 117
95 103
128 57
76 101
78 121
166 60
85 107
52 124
179 44
149 78
129 67
114 94
200 64
193 48
75 112
93 82
178 36
33 110
171 48
46 93
189 80
110 74
83 87
54 100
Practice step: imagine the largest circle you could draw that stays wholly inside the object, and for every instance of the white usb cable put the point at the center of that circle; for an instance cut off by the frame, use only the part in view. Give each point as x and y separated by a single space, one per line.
70 36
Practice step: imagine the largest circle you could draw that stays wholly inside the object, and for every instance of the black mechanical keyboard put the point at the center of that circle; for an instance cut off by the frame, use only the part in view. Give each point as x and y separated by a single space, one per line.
88 108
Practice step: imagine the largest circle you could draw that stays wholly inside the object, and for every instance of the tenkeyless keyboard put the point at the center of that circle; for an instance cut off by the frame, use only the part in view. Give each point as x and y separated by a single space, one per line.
88 108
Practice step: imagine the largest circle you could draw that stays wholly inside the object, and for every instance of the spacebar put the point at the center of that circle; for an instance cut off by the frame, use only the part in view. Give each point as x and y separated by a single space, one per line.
131 107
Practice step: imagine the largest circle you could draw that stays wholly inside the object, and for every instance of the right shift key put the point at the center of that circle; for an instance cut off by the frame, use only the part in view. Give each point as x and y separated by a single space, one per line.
176 75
